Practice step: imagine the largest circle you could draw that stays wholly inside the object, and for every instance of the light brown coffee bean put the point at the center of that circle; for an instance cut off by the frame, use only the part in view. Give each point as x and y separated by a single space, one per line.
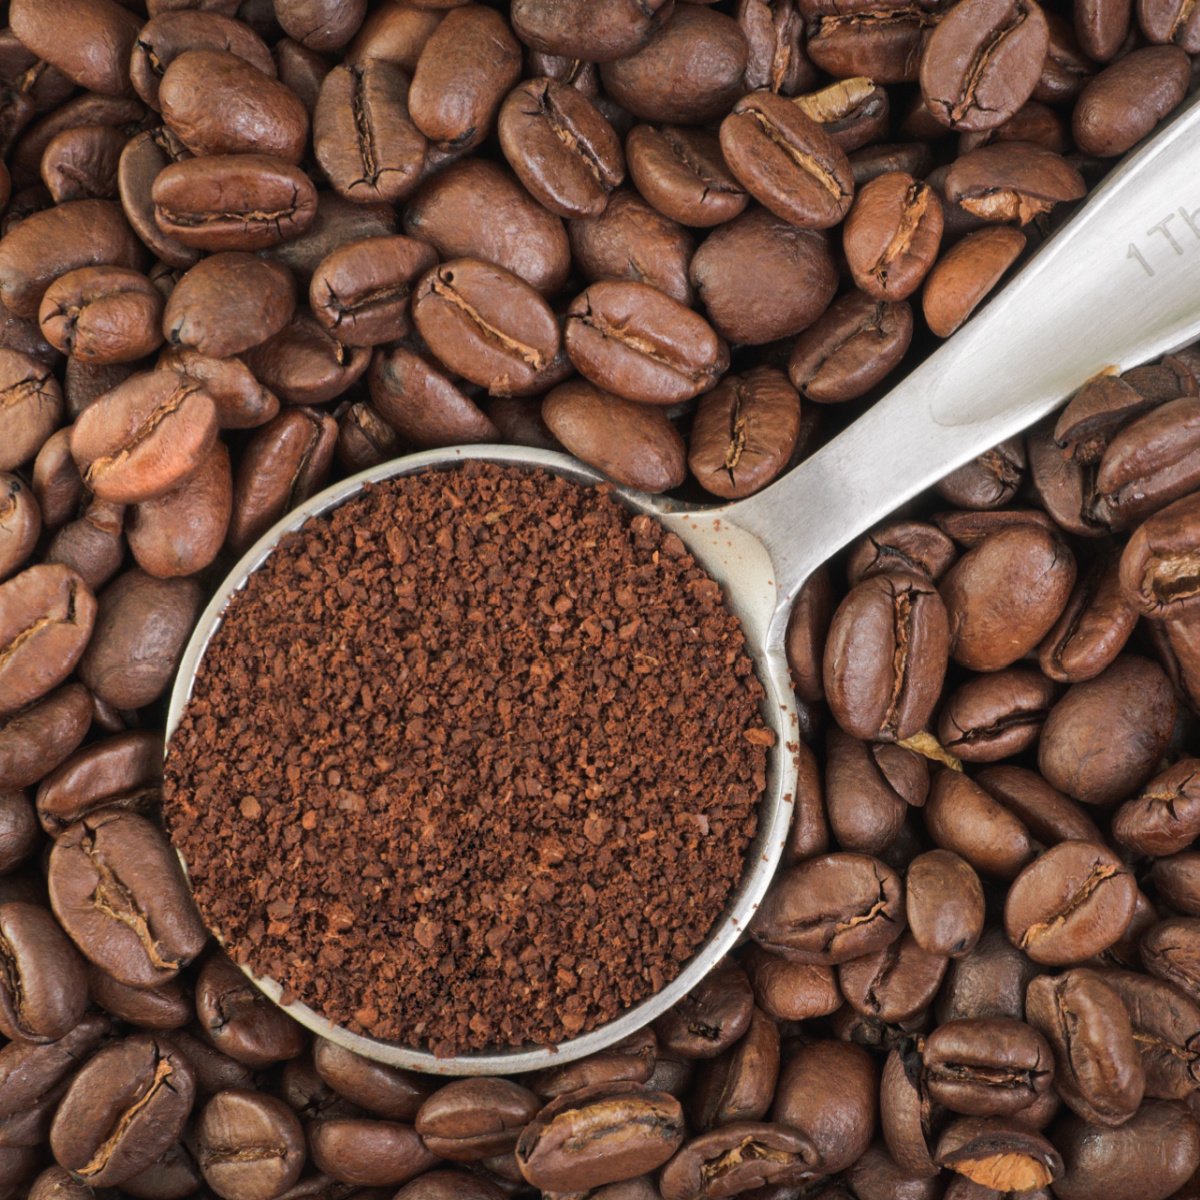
103 315
961 280
891 236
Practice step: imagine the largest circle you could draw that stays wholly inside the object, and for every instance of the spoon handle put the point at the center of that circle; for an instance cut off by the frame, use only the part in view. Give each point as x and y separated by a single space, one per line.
1119 284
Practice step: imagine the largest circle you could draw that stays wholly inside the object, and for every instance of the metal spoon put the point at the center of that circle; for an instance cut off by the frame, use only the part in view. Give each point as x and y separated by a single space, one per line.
1119 284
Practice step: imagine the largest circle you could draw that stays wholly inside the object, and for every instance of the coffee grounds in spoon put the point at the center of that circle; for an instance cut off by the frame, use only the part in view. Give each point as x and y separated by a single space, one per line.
472 762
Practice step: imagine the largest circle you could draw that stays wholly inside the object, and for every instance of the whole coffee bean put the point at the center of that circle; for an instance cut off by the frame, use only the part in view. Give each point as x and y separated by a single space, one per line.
1165 21
774 33
248 1146
631 1060
303 70
828 1091
804 644
1094 415
987 481
215 1071
987 1066
81 163
913 158
1165 1021
37 738
1005 595
102 314
215 102
739 1084
143 157
999 1154
892 234
125 1107
385 1091
486 324
1105 737
851 348
588 29
831 909
711 1017
880 42
741 1156
31 404
1098 1069
162 1009
118 891
561 147
964 818
1127 99
89 41
1155 572
1155 1152
337 221
1164 817
476 209
468 64
688 73
141 627
145 437
29 1072
744 432
367 1153
240 1021
305 364
682 173
360 293
635 341
1170 949
1012 182
321 25
1093 629
1071 903
228 303
44 989
634 444
57 485
363 135
471 1119
989 981
869 787
966 273
995 716
241 401
20 523
230 202
790 991
630 240
48 244
854 111
1049 815
284 462
787 161
46 617
983 61
762 279
895 984
599 1135
886 656
944 903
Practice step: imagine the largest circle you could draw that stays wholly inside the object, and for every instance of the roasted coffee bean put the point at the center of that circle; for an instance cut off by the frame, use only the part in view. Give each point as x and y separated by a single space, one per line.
851 348
89 41
599 1135
476 209
989 480
999 1154
123 771
1158 572
31 403
81 163
964 818
738 1157
682 173
914 546
1105 737
994 716
631 1060
46 618
215 102
321 25
367 1153
20 523
1169 949
360 293
143 157
57 485
44 989
472 1119
486 324
1012 182
804 644
855 111
118 891
711 1017
305 364
790 991
1095 413
1071 903
145 437
241 401
988 981
162 1009
964 276
982 62
456 1185
240 1021
229 202
561 147
468 64
37 738
1093 629
1165 1023
124 1108
249 1145
365 439
1165 21
102 315
1127 99
1164 817
228 303
831 909
944 903
787 161
585 29
215 1072
886 656
363 135
868 790
762 279
385 1091
635 341
31 1072
891 235
1098 1069
987 1066
1049 815
739 1084
895 984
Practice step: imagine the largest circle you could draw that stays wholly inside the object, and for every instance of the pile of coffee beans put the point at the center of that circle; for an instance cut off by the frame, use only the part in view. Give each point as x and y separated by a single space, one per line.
474 762
249 246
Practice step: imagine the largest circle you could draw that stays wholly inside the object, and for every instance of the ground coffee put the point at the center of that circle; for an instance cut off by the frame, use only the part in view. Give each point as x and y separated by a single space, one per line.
472 762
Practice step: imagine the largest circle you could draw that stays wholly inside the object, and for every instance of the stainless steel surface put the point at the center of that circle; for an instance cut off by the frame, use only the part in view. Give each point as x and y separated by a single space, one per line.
1117 285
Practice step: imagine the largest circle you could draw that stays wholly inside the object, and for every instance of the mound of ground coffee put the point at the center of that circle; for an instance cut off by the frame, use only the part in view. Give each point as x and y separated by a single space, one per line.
474 761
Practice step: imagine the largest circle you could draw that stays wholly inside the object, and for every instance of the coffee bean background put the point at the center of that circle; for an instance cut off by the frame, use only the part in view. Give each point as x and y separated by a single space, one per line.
251 246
